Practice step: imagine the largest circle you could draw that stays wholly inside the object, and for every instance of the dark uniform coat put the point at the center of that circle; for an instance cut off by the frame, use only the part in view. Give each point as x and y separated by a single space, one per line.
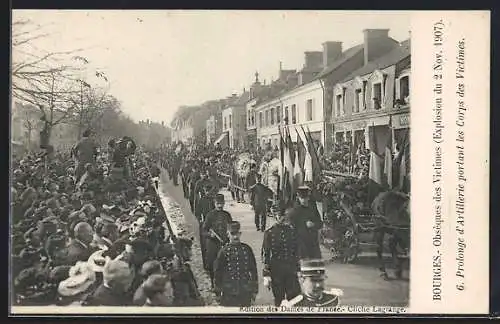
203 202
186 168
259 198
308 238
328 299
281 261
216 220
193 179
236 274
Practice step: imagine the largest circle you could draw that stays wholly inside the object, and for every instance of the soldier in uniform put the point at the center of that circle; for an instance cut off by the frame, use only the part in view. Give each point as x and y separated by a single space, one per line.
307 222
206 190
312 277
236 282
175 168
203 187
186 168
281 261
193 178
259 197
215 232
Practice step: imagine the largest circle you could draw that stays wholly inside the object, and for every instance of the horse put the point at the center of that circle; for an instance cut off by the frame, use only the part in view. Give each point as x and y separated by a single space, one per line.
392 219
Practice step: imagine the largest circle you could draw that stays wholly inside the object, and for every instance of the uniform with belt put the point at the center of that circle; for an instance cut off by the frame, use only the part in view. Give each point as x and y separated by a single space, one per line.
204 205
235 269
193 178
216 222
186 168
314 271
281 261
308 237
259 198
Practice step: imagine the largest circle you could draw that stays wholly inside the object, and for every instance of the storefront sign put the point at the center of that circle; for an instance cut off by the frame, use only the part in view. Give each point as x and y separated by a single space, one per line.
361 124
401 121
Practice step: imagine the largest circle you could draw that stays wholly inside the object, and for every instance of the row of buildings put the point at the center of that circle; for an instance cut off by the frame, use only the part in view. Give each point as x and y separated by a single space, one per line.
336 95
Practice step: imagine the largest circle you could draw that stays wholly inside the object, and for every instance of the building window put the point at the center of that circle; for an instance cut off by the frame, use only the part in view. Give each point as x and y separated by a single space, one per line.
339 100
253 119
272 115
230 121
363 102
377 95
286 116
404 88
378 86
261 119
225 123
309 109
358 99
278 114
294 114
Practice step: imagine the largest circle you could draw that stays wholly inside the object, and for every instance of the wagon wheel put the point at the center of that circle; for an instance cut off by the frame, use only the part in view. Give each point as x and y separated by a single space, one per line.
351 245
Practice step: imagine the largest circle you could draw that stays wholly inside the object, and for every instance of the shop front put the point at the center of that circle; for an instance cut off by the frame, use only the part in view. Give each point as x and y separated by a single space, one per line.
401 129
355 131
251 138
401 140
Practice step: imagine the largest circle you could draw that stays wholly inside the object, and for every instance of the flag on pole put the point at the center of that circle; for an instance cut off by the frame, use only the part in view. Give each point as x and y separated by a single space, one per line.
308 167
301 150
282 160
288 170
291 155
379 139
388 166
316 167
402 169
297 172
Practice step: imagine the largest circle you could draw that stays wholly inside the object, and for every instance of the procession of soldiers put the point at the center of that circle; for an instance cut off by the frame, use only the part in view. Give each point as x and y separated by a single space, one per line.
293 269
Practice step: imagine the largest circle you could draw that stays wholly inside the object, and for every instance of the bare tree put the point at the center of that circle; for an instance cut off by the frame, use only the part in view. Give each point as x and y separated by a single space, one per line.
46 80
30 123
89 105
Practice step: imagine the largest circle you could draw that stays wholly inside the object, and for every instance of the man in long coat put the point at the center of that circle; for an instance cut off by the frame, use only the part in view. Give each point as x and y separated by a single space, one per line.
215 230
306 220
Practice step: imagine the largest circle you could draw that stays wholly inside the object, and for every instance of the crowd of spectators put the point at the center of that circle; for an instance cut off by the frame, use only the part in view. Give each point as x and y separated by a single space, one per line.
95 240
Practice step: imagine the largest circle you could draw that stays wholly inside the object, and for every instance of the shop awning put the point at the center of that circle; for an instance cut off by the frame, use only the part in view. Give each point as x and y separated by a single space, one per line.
220 138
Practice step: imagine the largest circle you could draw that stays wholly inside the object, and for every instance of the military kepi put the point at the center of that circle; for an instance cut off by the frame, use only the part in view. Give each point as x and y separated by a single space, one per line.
303 191
234 227
219 198
312 268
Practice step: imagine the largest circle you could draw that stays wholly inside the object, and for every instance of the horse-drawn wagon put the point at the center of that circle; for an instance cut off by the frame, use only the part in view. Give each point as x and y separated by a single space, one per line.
354 229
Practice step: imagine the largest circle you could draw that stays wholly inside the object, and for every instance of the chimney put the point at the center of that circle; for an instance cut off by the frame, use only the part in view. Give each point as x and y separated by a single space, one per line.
313 60
292 80
376 43
331 52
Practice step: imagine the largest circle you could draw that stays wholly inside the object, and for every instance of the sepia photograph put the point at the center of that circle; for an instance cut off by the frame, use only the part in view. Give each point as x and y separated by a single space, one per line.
202 159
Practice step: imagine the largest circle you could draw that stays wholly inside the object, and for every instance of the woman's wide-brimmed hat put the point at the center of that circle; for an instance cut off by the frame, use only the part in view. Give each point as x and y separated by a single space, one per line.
81 277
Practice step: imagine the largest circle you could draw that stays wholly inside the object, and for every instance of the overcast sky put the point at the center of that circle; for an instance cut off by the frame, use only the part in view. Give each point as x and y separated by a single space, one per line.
159 60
